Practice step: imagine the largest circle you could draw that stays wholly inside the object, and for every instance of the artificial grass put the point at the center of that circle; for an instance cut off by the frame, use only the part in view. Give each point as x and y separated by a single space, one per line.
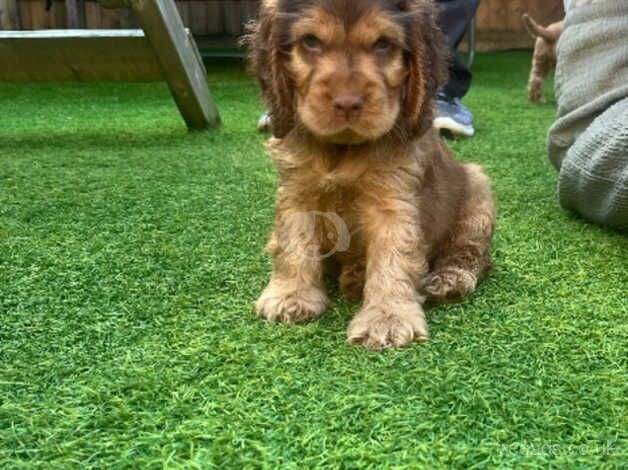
131 255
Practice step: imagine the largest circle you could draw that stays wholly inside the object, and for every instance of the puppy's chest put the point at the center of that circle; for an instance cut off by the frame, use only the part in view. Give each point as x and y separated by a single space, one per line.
335 189
333 196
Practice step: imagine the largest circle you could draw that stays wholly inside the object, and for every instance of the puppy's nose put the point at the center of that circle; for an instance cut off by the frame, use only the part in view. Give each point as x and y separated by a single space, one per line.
348 104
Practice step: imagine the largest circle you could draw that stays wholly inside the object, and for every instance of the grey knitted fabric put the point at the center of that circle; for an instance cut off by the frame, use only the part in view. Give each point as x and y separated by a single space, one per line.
588 142
593 178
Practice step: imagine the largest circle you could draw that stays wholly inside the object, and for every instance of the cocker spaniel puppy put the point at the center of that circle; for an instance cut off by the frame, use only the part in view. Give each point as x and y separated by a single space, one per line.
366 184
544 57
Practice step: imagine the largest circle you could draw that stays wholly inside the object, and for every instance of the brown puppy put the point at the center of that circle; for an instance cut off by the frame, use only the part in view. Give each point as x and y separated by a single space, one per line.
544 58
365 181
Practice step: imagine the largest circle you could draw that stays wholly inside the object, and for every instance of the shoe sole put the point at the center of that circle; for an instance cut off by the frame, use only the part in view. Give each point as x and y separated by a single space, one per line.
263 125
447 123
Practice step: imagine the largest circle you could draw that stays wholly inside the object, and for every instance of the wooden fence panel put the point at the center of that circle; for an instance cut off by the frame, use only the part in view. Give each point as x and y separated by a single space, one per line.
213 19
41 18
185 12
25 15
505 15
9 18
35 16
92 15
118 19
198 19
499 25
498 22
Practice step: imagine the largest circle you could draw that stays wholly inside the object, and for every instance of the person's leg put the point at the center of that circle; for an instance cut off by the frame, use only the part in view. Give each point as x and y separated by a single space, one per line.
588 142
459 80
454 19
593 179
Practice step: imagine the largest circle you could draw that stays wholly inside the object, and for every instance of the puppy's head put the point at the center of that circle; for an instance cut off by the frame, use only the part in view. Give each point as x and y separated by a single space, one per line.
348 71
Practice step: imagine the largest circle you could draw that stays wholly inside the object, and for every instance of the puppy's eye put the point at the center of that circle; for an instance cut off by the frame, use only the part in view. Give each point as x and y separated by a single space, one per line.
383 44
311 42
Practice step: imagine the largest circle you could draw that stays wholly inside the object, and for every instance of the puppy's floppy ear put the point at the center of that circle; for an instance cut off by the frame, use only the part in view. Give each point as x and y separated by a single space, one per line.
427 65
267 61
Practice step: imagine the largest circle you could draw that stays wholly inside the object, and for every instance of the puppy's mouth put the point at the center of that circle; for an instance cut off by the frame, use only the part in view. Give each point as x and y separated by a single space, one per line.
328 125
346 136
348 130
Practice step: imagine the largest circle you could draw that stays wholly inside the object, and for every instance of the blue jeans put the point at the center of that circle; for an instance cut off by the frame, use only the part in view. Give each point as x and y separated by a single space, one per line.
454 18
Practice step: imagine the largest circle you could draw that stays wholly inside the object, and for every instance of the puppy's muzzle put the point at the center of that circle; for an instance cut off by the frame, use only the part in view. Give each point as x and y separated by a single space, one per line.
348 105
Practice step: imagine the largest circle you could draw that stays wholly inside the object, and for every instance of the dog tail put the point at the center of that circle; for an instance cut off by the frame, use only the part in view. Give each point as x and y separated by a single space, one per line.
536 30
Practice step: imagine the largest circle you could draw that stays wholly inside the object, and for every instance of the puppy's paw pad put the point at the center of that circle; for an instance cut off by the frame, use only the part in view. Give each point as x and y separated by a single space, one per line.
291 307
449 284
377 329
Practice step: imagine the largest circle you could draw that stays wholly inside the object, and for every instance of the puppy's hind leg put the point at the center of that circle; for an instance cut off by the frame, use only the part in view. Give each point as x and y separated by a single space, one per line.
464 257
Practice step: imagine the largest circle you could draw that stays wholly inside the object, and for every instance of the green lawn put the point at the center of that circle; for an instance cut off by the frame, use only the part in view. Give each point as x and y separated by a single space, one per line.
131 253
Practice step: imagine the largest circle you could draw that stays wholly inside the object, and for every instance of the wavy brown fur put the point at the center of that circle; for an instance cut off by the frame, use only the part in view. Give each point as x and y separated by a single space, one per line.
366 183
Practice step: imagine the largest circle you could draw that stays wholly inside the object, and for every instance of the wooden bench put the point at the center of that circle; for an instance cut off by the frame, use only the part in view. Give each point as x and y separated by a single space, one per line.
162 50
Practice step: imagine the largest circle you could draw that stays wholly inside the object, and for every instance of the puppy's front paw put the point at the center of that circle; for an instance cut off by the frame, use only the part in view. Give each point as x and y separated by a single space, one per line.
388 327
286 304
449 284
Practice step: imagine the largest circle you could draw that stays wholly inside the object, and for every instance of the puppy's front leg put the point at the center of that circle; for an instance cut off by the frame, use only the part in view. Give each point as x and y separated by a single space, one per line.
392 313
295 292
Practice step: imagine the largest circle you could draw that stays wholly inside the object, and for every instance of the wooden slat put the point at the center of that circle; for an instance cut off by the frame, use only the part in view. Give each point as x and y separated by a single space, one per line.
180 61
215 25
9 18
120 18
59 16
25 15
41 18
184 12
75 11
85 55
127 19
92 16
231 17
198 18
108 18
514 11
